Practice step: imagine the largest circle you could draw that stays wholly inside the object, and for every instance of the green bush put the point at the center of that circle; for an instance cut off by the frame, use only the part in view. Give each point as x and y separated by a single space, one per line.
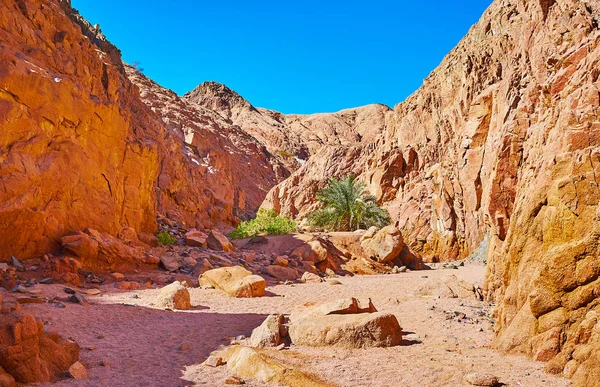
347 206
165 238
267 222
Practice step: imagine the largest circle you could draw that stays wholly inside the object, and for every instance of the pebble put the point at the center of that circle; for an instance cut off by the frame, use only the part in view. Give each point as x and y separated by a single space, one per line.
234 380
16 263
213 361
481 379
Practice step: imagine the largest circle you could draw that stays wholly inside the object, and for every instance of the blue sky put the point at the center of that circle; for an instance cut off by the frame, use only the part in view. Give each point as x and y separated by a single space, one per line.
291 56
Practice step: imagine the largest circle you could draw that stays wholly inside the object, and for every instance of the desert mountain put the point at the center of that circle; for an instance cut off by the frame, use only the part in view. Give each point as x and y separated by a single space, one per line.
501 140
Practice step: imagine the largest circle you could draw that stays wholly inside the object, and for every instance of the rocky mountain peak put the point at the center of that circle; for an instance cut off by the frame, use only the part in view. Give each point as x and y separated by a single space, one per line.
217 96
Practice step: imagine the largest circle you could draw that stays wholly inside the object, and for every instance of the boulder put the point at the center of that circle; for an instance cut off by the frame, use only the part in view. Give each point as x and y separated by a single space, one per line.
346 323
174 296
256 364
170 262
310 278
448 287
195 238
235 281
313 251
78 371
28 354
481 379
98 251
217 241
281 273
385 245
269 333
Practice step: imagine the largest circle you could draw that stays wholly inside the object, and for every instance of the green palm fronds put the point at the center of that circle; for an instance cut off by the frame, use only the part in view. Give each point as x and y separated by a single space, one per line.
347 205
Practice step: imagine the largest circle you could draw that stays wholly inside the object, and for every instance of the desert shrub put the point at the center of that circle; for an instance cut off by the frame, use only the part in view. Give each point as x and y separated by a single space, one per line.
165 238
347 206
285 154
267 222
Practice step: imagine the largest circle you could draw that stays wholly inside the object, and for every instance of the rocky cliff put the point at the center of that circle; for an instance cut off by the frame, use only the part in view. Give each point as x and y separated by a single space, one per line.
502 138
79 148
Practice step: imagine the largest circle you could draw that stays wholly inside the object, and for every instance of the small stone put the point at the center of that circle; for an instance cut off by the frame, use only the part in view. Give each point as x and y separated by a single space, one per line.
234 380
16 263
104 363
213 361
77 299
20 289
78 371
47 281
60 305
481 379
93 292
69 291
91 348
185 347
117 276
333 282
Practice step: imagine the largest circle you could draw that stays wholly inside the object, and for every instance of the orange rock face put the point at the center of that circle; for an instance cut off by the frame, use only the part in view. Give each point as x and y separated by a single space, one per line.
71 143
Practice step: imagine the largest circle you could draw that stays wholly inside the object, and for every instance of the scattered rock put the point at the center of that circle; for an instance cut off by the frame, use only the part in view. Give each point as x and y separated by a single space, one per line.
78 371
174 296
281 273
310 278
170 262
234 380
217 241
481 379
269 333
16 263
195 238
235 281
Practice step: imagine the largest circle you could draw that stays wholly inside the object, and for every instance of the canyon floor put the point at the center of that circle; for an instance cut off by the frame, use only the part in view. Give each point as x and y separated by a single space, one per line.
127 342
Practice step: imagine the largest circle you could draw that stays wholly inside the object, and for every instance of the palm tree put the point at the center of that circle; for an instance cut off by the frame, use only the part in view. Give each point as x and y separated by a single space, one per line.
347 206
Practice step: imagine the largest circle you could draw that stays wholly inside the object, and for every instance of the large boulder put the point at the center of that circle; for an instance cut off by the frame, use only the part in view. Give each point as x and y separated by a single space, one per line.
27 354
312 251
174 296
346 323
281 273
270 333
195 238
99 251
448 287
217 241
385 245
256 364
235 281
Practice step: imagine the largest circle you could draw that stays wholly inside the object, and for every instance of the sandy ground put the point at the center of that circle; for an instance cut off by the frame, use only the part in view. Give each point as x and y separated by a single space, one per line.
142 346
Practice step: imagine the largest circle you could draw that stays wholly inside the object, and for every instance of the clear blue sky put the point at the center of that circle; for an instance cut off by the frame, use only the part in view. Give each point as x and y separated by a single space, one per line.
292 56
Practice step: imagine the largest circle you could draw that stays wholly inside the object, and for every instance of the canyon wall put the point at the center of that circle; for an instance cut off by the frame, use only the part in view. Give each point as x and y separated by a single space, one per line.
71 147
79 148
502 138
